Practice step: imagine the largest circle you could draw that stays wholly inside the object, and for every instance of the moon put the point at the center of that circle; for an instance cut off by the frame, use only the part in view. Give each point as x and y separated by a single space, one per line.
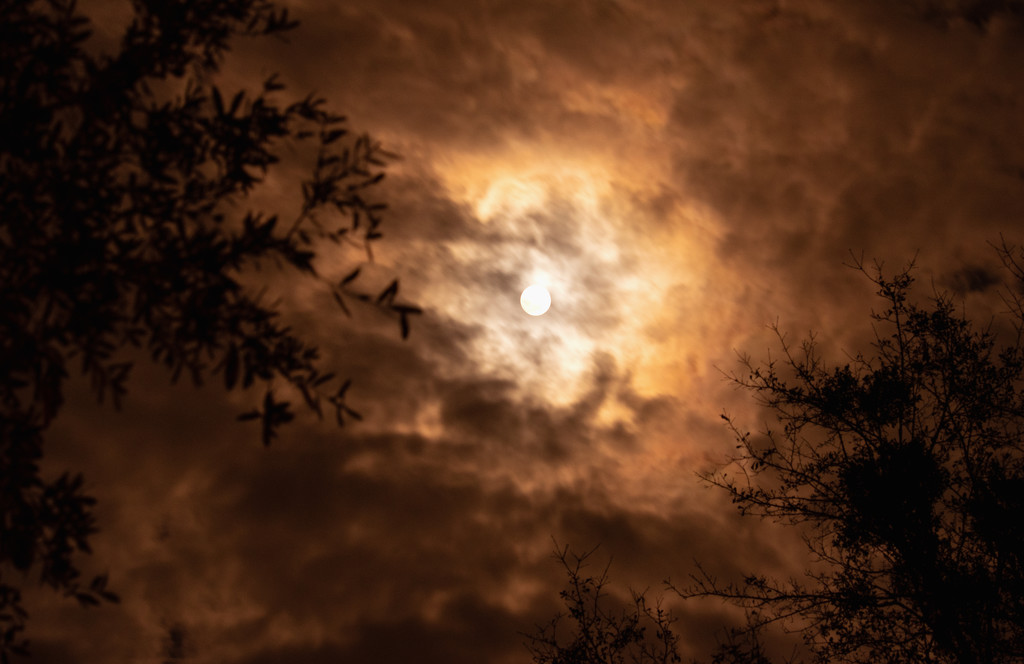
535 300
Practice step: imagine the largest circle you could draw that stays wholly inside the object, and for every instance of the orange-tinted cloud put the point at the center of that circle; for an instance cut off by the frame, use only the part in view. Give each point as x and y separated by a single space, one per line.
681 174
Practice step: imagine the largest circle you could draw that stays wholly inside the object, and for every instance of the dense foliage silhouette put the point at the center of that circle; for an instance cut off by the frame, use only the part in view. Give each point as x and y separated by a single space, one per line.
124 178
903 470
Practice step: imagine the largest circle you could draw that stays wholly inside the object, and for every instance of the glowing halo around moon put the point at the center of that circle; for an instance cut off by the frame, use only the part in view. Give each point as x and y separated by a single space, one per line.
535 300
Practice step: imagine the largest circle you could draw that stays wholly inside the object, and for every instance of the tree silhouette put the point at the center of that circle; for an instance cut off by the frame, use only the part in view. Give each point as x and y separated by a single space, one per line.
599 633
903 470
123 182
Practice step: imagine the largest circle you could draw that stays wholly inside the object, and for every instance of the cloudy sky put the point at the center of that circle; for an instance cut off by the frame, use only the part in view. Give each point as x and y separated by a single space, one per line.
679 175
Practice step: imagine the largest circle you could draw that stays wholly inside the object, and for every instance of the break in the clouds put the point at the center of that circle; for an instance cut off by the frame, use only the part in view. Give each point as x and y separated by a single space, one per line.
677 175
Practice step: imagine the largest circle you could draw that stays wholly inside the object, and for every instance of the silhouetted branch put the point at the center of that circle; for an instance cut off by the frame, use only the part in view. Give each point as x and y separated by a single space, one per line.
123 179
597 633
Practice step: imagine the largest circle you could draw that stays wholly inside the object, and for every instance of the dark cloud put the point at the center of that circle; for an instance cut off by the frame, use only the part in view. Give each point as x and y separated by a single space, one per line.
292 534
832 136
972 279
680 175
979 13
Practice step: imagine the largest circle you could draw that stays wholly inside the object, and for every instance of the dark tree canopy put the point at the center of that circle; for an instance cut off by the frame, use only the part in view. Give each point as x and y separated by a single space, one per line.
123 225
903 470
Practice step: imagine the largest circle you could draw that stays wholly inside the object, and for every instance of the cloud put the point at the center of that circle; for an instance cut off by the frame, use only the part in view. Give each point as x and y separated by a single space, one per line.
329 541
857 131
679 175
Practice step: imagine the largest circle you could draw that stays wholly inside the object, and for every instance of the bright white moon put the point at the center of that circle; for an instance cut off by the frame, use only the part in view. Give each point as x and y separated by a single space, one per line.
535 300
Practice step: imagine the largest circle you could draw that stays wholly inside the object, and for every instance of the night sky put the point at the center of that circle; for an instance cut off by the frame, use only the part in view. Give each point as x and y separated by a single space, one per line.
679 175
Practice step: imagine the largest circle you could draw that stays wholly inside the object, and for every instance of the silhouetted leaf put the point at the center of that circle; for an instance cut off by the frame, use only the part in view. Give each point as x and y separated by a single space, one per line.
218 101
388 294
341 302
320 380
350 276
272 84
333 135
236 102
85 599
231 367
